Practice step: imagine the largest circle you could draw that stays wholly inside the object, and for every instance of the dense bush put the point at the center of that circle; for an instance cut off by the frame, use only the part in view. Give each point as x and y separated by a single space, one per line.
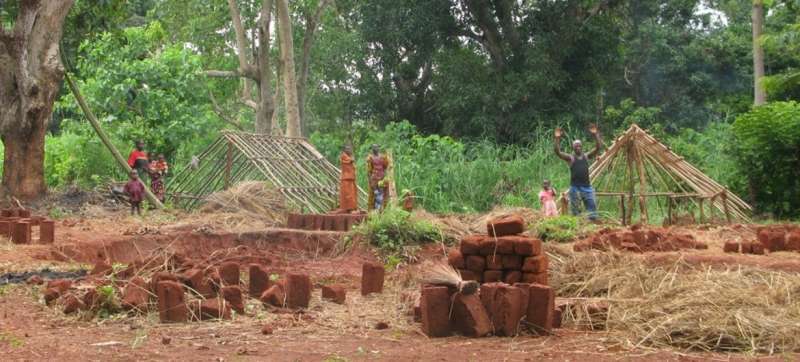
768 149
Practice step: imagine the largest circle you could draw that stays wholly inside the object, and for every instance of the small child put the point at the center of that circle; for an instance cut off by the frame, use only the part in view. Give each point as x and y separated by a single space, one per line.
135 190
548 199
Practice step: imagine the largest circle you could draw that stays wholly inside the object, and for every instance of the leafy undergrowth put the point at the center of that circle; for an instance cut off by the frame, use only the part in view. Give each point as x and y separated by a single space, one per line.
563 228
394 230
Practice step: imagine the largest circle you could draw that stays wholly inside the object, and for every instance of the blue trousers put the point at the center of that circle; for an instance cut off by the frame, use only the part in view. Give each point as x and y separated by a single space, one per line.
585 193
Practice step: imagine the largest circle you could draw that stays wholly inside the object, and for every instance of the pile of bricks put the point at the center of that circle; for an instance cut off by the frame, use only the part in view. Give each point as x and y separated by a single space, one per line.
21 227
497 309
501 255
638 239
744 247
779 237
326 222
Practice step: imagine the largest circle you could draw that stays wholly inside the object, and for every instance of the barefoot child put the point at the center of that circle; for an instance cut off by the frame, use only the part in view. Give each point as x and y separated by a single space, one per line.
135 190
548 199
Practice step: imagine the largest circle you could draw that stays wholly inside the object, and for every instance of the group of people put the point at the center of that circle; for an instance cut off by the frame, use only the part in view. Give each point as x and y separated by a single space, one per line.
141 167
377 168
580 190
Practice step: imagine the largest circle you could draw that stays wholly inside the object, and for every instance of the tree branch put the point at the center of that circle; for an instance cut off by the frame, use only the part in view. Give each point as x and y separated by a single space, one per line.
480 12
250 73
221 114
308 42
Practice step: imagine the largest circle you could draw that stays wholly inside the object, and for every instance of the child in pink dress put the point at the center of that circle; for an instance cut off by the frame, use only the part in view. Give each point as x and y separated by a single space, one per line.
548 199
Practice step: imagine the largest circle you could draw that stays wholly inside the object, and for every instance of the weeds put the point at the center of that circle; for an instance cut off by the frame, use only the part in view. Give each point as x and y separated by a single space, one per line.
394 228
562 229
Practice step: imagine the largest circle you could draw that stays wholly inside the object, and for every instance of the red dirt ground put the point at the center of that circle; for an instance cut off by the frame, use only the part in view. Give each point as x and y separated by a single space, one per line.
326 332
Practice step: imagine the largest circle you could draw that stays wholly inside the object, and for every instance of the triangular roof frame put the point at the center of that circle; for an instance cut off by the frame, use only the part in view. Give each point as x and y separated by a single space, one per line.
292 165
656 165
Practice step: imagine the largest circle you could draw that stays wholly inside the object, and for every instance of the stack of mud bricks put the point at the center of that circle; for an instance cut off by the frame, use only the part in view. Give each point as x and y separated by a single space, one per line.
497 309
18 224
503 255
773 238
326 222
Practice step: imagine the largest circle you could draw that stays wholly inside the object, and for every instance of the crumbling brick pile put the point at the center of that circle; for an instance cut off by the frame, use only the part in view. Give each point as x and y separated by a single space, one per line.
21 227
639 239
497 309
772 238
502 255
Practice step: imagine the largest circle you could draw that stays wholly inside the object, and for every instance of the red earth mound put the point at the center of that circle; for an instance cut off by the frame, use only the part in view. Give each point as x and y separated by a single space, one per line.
639 239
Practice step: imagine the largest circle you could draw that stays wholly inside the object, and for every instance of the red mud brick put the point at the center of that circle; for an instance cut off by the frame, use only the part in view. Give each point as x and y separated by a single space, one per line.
539 278
487 292
5 228
259 280
160 277
135 295
335 293
540 308
557 317
434 305
233 295
774 240
50 294
756 248
298 290
62 285
229 273
101 267
476 263
372 278
488 247
193 278
491 276
512 276
456 259
6 213
91 299
470 245
213 308
508 225
793 240
470 275
512 262
506 311
505 245
470 317
35 280
72 304
746 247
535 264
731 247
494 262
266 329
21 232
47 231
274 296
528 246
525 290
294 221
171 303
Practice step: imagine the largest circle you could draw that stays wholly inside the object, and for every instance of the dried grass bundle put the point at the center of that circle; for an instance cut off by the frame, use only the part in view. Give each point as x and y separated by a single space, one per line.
245 204
441 273
682 306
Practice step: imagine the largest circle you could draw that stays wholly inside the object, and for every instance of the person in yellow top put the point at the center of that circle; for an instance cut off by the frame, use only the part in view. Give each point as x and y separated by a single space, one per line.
377 166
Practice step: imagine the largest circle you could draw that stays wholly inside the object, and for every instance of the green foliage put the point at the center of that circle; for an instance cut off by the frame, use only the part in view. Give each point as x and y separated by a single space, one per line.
562 228
768 151
395 228
108 301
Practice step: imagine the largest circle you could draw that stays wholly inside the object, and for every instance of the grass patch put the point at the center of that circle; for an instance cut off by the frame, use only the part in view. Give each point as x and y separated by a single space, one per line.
395 229
562 229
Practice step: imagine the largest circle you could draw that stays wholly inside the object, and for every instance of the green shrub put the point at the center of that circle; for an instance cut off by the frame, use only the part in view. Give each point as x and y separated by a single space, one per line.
768 153
562 229
394 228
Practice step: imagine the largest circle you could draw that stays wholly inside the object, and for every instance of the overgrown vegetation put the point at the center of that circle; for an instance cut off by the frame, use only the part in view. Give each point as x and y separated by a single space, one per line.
562 229
394 228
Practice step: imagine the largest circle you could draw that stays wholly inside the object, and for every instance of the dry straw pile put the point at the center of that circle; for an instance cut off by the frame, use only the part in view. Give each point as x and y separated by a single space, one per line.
695 309
245 203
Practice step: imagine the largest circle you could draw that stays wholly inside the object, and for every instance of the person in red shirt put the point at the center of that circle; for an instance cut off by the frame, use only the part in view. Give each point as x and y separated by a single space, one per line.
138 160
135 190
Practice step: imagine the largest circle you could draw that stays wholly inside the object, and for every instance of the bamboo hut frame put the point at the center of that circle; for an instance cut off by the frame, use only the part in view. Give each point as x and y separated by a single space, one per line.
637 167
292 165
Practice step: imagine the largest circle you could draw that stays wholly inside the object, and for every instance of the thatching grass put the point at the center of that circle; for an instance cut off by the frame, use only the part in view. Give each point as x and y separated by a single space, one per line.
678 305
246 205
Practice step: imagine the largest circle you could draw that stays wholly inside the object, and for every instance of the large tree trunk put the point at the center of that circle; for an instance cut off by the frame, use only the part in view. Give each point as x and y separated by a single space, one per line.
30 77
760 95
289 83
305 61
266 107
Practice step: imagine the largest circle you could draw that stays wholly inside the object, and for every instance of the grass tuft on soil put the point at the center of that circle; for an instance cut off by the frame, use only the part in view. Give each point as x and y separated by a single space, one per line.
680 306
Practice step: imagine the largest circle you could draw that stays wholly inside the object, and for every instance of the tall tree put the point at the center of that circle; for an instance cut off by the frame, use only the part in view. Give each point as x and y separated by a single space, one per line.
30 77
289 82
760 95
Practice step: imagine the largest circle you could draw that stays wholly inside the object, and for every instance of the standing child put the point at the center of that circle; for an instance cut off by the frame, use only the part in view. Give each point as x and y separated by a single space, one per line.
135 190
548 199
